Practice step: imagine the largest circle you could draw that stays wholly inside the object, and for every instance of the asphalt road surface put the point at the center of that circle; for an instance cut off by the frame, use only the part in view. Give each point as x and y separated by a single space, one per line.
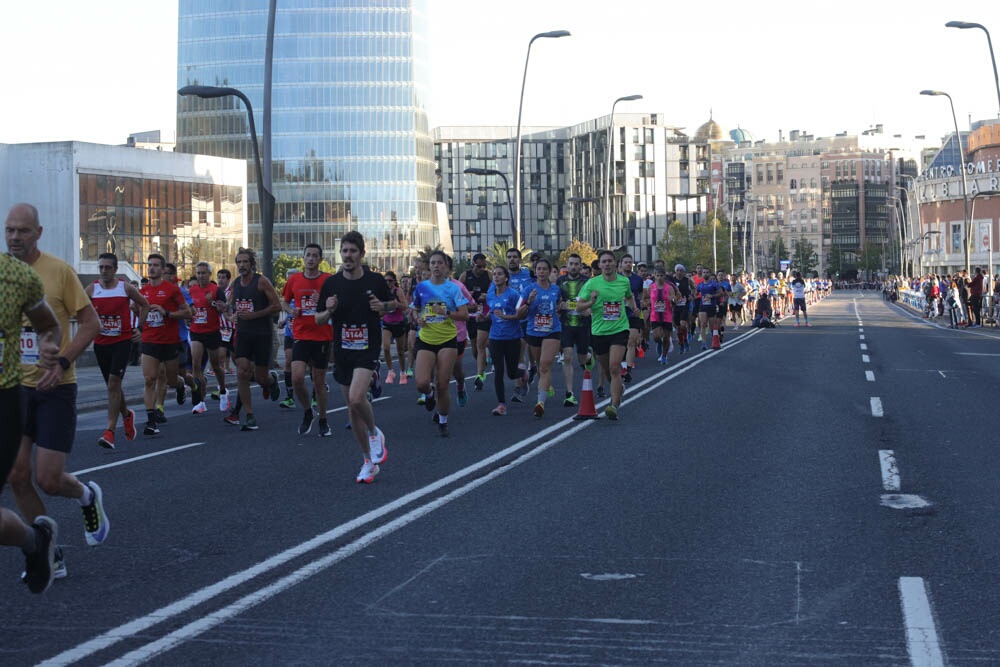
801 497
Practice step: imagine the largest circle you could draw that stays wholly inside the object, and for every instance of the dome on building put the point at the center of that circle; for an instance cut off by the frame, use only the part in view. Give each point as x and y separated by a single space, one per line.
710 130
739 135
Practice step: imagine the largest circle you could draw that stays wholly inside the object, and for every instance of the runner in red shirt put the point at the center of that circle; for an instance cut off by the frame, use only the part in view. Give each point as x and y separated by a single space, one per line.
113 299
312 341
160 336
207 301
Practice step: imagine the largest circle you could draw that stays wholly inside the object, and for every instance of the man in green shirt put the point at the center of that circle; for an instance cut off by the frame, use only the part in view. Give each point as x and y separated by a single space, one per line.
607 296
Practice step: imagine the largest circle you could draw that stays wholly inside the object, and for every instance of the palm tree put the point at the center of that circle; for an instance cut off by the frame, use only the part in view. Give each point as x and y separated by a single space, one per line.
497 255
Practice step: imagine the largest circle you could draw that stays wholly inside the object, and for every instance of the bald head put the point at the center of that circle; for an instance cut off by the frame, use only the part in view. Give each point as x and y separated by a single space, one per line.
22 231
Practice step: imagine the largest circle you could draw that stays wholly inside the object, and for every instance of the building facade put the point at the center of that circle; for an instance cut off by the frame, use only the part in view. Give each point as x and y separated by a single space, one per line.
350 142
93 198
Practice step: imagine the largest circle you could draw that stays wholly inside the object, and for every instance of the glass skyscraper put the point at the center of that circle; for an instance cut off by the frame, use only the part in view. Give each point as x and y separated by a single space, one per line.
351 147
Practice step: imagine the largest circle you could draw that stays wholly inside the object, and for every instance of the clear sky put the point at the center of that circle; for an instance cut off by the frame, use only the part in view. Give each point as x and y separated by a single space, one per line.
98 70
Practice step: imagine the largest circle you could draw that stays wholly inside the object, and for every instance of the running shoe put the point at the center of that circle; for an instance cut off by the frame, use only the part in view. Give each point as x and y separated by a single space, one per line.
627 378
376 382
38 566
181 394
421 399
430 402
591 358
570 400
516 397
376 445
307 422
663 359
232 419
539 409
324 429
288 403
151 429
95 522
560 358
391 377
107 440
367 474
480 381
160 418
532 373
704 346
199 408
59 570
601 392
223 402
215 395
500 410
128 421
314 406
250 424
275 390
611 412
807 324
404 378
463 398
198 391
443 430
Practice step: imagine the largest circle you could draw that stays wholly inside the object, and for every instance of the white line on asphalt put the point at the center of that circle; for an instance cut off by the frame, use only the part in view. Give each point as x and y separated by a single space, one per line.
876 406
978 354
943 375
344 407
921 634
136 458
559 431
861 337
861 329
870 376
890 471
864 346
865 359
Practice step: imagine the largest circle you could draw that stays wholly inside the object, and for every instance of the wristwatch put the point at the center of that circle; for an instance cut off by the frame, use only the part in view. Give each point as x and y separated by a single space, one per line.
64 362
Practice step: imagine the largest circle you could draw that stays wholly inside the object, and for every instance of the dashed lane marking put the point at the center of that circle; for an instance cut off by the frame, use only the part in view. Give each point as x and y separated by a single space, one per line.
922 641
876 403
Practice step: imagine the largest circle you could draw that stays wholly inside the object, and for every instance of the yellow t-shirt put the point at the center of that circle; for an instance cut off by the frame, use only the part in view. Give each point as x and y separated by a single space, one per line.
65 295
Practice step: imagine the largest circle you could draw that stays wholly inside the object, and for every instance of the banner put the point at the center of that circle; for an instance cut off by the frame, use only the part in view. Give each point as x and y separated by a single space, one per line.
984 236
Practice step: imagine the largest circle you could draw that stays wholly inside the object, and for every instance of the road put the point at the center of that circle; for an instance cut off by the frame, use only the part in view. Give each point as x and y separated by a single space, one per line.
801 497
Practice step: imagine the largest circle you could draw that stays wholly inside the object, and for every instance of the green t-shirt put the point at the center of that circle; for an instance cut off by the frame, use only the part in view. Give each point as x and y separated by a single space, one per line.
608 314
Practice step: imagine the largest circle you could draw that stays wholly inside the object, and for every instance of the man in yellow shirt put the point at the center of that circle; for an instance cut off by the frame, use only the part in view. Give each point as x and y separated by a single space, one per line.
50 395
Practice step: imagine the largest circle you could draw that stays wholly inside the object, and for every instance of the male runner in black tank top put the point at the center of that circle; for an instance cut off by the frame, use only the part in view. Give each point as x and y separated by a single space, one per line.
477 280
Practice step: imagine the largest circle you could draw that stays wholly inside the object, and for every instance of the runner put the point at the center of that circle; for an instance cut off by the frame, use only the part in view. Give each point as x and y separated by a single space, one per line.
253 302
312 341
48 395
609 294
685 291
207 300
737 297
395 328
439 303
112 299
634 317
355 298
519 277
23 295
462 337
184 368
709 290
289 339
575 333
660 298
541 303
224 278
799 298
503 303
478 280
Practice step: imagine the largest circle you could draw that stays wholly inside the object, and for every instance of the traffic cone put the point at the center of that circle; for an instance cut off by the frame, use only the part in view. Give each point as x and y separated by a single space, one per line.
587 409
716 343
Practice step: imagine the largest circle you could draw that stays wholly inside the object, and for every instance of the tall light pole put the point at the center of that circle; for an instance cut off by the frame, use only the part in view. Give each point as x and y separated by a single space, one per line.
965 25
475 171
552 34
609 177
264 197
965 186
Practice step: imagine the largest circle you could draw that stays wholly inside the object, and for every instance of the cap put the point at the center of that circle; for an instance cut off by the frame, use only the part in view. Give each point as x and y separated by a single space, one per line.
679 267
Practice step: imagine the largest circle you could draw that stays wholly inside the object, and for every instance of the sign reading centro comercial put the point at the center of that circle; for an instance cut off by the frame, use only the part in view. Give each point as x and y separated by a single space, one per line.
944 187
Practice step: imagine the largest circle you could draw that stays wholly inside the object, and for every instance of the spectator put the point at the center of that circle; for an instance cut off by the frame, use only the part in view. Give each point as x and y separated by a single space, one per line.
976 298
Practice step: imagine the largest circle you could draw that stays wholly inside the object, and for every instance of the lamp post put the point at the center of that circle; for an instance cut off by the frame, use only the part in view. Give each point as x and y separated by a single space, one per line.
475 171
899 213
552 34
610 179
965 187
965 25
264 197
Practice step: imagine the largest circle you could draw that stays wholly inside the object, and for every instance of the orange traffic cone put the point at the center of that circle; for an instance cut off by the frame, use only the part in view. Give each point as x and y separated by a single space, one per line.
716 343
587 409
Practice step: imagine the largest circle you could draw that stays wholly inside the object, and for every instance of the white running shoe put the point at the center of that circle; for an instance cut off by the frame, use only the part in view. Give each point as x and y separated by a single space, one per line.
376 445
200 408
224 402
367 474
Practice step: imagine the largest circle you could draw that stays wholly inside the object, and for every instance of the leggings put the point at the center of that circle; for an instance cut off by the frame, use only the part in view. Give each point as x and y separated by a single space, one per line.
504 353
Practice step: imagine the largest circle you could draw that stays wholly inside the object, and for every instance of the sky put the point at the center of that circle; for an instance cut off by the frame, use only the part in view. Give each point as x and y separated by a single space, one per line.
99 70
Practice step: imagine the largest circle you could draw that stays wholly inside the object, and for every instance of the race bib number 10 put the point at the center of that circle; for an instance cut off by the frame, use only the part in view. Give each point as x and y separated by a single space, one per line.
29 346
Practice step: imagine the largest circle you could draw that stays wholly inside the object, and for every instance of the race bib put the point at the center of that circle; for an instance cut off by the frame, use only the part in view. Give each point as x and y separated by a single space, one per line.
543 323
244 305
430 317
29 346
612 311
226 333
354 337
200 315
572 307
154 319
309 303
682 301
660 306
111 325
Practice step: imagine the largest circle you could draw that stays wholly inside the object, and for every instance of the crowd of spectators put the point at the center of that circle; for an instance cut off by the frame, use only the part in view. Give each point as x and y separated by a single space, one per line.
967 301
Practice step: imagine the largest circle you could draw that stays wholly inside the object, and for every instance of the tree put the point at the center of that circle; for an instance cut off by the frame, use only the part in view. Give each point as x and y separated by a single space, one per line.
677 247
582 248
776 251
871 258
424 255
804 256
836 262
282 264
497 255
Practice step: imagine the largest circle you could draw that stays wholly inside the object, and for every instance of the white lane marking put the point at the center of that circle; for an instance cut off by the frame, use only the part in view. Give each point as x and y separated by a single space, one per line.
921 634
559 431
861 337
136 458
903 501
864 346
876 406
978 354
344 407
865 359
890 471
870 376
943 375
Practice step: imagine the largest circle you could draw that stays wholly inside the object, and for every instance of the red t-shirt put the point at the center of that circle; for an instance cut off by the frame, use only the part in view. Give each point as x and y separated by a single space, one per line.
305 291
159 328
206 317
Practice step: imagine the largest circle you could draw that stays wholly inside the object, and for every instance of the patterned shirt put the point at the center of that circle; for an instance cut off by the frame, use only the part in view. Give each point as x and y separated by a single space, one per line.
21 291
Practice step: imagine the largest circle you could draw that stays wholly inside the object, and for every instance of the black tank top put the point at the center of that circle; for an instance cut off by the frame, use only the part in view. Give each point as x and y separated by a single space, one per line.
250 299
478 286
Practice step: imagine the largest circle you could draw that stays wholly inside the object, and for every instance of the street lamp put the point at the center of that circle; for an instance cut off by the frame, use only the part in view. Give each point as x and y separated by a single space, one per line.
610 176
552 34
264 197
475 171
961 153
965 25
